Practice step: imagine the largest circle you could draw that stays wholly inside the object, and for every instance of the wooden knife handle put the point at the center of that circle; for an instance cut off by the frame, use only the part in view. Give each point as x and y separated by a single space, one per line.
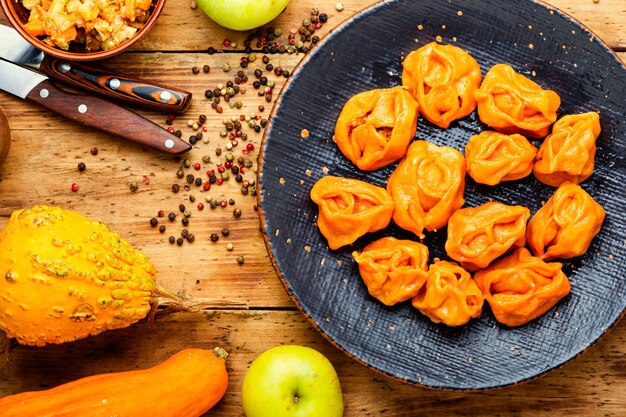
108 117
117 85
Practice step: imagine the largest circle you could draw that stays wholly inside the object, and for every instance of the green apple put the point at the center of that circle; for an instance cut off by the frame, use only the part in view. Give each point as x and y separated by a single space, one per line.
242 14
292 381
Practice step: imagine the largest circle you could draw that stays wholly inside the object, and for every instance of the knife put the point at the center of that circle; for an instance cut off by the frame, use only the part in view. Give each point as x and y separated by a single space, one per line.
91 111
93 78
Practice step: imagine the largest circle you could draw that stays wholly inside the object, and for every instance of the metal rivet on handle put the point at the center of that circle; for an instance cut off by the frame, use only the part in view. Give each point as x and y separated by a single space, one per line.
114 83
169 144
165 96
44 93
82 108
65 67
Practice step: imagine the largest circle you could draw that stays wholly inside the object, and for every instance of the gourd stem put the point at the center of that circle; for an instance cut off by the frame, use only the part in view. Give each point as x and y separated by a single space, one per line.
161 292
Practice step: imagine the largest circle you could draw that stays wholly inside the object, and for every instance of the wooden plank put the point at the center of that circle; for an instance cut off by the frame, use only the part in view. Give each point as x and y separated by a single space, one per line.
592 385
182 28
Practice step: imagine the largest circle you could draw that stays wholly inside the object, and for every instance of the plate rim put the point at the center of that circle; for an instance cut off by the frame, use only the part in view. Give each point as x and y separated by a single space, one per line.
266 238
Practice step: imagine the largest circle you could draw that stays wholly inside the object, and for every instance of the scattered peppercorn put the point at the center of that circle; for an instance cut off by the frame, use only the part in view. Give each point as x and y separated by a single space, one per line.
180 241
94 151
162 229
172 240
171 217
214 237
206 68
175 188
195 70
81 166
133 186
153 222
237 213
240 260
225 231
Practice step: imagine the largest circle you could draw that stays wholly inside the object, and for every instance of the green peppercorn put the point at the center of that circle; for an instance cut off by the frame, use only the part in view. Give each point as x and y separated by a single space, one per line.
230 247
206 159
230 157
187 213
240 260
180 173
186 163
133 186
225 176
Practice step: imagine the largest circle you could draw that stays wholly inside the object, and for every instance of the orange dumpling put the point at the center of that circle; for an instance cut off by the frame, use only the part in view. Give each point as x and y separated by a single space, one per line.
567 154
443 79
478 235
350 208
393 270
512 103
375 127
450 295
521 287
493 157
566 224
427 186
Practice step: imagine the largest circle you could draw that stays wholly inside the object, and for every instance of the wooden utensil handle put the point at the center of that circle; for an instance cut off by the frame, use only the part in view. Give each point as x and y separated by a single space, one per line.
116 85
108 117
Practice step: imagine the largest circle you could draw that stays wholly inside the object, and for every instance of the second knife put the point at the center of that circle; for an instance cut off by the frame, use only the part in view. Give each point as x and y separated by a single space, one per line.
93 78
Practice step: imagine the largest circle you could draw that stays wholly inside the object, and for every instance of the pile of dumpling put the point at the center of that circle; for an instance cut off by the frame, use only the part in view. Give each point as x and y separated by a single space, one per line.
425 192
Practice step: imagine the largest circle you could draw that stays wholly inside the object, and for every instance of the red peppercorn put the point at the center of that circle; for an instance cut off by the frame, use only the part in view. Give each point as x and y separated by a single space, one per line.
227 42
206 186
228 165
263 39
197 166
170 129
221 169
146 180
219 181
276 44
200 206
234 142
292 41
318 25
223 203
210 173
161 213
204 129
74 187
171 116
250 147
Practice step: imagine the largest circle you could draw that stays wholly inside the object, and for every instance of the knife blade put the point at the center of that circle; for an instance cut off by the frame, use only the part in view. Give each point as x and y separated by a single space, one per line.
91 111
92 77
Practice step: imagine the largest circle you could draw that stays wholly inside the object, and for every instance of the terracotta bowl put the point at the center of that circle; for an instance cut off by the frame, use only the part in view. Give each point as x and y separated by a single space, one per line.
17 15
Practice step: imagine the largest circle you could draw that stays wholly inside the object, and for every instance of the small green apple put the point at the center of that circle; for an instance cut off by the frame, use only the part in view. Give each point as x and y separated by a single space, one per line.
242 14
292 381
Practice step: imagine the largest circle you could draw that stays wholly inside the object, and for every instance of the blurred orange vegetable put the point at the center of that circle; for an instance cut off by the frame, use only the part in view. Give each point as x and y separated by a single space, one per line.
478 235
520 287
450 295
443 79
393 270
568 153
349 209
512 103
566 224
427 186
493 157
375 127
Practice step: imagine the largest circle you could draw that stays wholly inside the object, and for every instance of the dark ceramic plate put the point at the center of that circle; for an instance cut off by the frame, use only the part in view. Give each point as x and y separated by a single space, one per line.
366 53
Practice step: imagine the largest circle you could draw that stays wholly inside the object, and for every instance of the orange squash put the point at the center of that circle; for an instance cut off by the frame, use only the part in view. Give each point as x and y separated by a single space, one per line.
443 79
450 295
566 224
512 103
568 153
478 235
188 384
520 287
350 208
393 270
375 127
427 186
493 157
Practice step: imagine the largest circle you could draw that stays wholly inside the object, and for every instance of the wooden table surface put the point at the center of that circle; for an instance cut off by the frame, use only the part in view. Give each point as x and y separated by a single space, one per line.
248 309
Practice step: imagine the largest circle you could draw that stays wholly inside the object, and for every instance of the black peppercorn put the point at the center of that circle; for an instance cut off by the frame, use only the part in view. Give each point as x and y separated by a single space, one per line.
180 241
208 94
225 231
195 70
323 18
198 181
190 178
94 151
81 166
269 67
237 213
172 239
162 229
212 50
182 208
171 217
185 221
184 232
153 222
214 237
263 80
206 68
175 188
